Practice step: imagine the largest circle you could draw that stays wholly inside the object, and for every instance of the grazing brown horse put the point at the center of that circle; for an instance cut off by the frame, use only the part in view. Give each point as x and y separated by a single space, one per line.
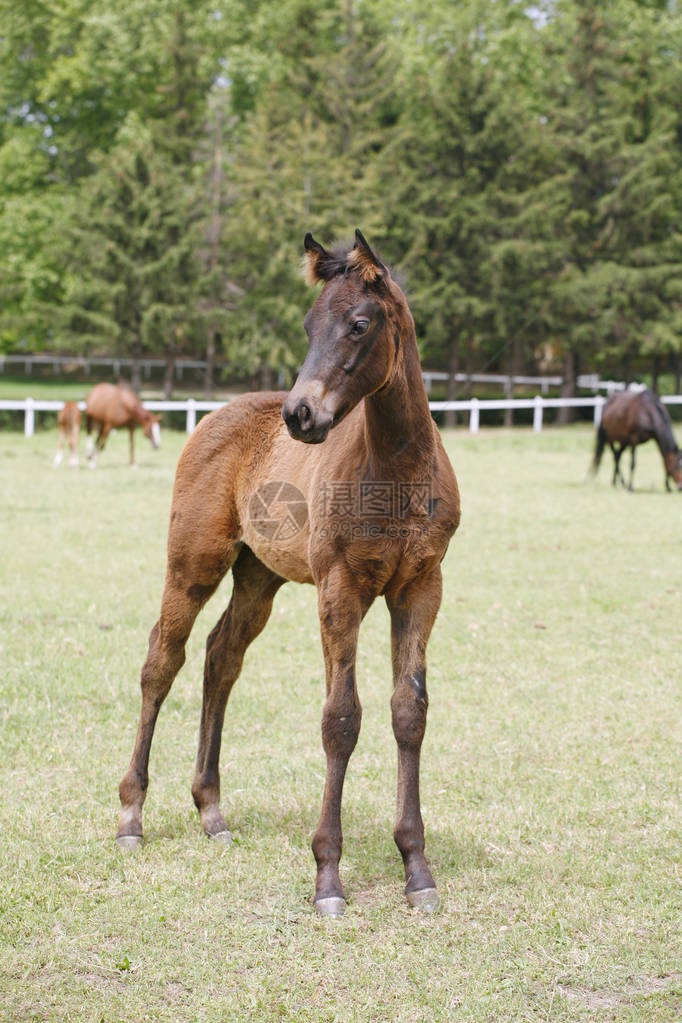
113 406
342 483
631 418
69 424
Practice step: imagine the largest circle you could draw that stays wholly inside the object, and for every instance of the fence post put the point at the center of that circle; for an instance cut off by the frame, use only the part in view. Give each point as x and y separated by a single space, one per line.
598 406
537 414
29 418
191 415
473 415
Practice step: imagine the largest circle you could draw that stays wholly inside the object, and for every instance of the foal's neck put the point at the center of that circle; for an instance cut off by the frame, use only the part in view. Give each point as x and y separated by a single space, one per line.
398 425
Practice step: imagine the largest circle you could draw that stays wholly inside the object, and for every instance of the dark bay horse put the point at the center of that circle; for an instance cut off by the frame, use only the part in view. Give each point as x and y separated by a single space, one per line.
630 418
113 406
342 483
69 424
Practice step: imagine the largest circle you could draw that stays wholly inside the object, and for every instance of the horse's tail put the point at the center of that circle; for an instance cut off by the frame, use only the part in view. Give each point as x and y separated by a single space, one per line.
599 446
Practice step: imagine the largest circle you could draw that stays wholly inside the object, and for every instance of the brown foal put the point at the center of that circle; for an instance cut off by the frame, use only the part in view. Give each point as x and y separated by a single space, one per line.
342 483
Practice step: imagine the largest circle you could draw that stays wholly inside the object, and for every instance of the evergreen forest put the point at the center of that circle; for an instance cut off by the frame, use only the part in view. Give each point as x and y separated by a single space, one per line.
520 168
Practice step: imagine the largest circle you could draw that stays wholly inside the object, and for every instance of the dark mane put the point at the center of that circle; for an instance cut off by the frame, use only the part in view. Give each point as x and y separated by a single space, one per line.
338 260
323 265
664 430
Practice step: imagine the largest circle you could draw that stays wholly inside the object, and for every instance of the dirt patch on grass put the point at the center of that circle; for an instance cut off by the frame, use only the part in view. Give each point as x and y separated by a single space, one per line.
643 987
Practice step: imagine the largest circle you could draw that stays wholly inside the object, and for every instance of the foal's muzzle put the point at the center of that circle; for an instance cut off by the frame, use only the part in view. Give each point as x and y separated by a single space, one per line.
306 423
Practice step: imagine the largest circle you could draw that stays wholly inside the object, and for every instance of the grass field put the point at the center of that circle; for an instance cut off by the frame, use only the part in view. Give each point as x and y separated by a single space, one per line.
551 766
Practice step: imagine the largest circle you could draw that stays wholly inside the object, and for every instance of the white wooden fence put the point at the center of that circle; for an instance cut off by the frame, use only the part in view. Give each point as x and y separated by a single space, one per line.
474 406
29 406
586 381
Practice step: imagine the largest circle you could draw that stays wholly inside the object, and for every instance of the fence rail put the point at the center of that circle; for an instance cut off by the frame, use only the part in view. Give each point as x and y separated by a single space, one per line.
474 406
587 382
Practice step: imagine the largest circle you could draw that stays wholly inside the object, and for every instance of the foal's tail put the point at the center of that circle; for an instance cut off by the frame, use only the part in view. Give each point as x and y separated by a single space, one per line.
598 448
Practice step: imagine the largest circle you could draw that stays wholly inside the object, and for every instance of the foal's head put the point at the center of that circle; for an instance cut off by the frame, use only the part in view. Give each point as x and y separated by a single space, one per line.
353 331
151 429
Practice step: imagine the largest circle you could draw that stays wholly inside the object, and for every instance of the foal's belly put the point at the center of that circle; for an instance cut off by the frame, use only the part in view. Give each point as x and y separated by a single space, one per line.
285 555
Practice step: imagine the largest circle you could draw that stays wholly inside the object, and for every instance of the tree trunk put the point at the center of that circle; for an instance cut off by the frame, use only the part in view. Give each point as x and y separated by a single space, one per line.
655 370
168 377
267 378
568 386
136 380
210 363
514 369
214 246
450 417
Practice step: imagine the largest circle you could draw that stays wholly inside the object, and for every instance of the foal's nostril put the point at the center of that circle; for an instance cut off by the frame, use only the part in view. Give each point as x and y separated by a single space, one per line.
305 416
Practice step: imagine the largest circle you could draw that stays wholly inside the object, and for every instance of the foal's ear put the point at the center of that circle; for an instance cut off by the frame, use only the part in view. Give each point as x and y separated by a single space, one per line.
362 258
316 261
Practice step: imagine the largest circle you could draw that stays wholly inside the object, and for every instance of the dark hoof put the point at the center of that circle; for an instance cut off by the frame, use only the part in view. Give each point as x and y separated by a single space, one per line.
332 906
222 836
426 900
129 843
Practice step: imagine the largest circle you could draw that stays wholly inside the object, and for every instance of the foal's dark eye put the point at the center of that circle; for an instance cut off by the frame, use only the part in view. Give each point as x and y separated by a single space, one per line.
359 327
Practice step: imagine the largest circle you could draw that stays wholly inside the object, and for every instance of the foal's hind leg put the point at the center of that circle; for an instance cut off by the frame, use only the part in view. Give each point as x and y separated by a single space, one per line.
193 574
413 611
616 464
165 657
254 590
73 445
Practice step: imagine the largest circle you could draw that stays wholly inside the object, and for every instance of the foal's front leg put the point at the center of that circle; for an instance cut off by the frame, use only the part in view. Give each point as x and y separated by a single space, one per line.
98 446
632 468
60 444
341 610
617 474
413 611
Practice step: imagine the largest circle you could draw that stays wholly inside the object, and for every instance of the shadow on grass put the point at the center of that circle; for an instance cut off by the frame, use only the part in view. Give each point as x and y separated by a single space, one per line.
371 860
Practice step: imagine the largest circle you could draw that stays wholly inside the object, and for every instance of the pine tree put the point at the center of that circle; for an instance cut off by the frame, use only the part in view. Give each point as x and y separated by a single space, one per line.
301 161
133 265
611 190
454 167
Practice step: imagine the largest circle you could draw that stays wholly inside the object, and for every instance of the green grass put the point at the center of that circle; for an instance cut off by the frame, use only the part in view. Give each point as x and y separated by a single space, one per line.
65 389
42 388
551 777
